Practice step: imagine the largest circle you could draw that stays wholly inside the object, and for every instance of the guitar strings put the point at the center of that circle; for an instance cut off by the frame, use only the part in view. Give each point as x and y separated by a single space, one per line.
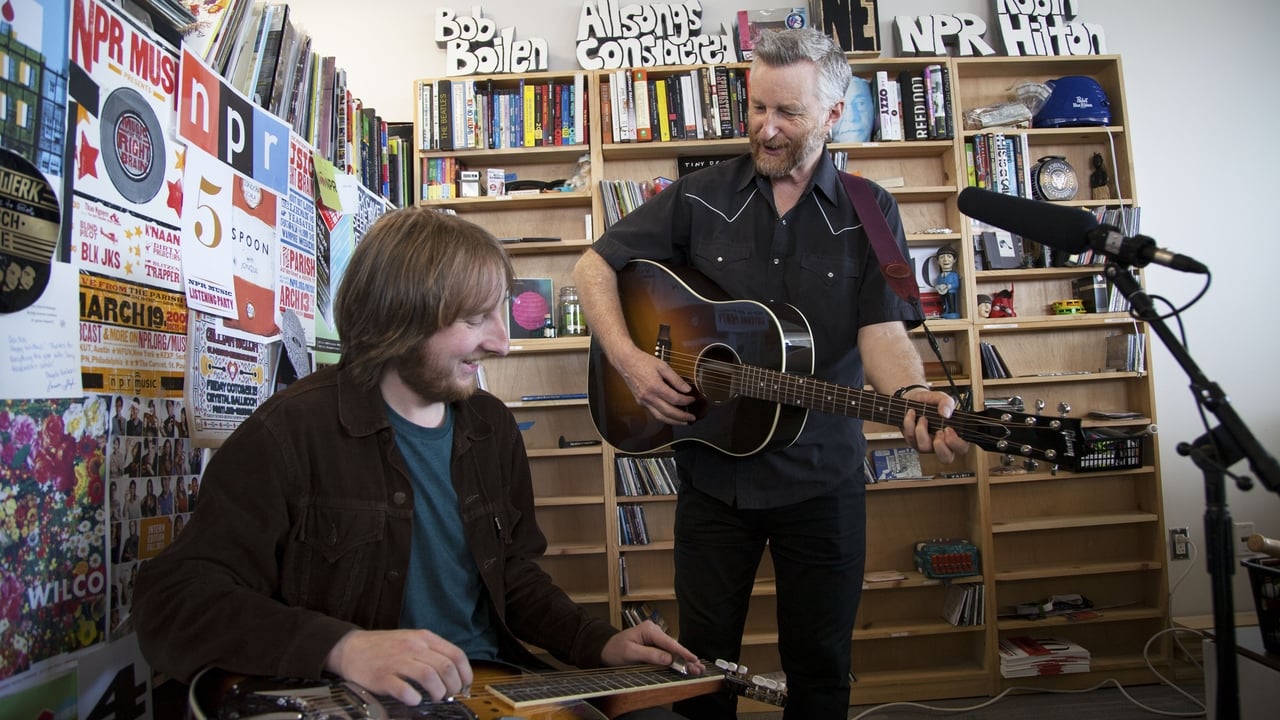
719 376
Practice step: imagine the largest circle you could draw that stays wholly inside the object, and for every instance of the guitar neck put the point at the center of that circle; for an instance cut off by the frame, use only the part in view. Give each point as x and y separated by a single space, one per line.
811 394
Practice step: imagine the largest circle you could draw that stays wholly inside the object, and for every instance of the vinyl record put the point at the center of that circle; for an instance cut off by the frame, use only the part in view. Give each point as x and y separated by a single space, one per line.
29 220
132 145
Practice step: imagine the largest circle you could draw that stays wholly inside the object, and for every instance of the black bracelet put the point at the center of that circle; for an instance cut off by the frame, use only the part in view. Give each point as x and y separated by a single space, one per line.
908 388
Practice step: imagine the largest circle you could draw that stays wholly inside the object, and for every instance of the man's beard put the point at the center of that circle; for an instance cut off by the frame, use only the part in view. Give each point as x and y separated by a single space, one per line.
796 152
430 380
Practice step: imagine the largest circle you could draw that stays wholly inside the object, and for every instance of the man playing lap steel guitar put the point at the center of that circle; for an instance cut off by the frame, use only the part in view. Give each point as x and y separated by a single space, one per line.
375 520
772 226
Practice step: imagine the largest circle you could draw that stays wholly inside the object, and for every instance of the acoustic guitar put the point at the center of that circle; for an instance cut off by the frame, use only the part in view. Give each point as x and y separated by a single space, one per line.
498 691
750 363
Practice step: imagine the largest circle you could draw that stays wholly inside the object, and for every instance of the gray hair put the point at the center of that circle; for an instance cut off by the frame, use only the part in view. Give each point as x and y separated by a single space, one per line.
780 48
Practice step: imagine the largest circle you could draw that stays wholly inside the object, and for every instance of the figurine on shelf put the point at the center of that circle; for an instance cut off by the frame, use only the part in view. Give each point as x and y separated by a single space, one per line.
1002 304
1098 179
947 282
984 305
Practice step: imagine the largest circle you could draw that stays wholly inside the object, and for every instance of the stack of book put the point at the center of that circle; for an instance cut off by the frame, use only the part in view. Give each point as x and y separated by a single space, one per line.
963 606
993 364
1024 656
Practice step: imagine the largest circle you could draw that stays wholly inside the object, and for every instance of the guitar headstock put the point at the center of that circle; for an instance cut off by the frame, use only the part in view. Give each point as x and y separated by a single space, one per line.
1056 440
754 687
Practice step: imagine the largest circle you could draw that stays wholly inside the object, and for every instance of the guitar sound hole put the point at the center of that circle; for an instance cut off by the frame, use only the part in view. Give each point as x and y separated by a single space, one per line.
717 371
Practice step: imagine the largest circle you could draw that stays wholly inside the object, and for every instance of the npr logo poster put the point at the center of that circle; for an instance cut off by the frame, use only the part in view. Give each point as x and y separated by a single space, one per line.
217 119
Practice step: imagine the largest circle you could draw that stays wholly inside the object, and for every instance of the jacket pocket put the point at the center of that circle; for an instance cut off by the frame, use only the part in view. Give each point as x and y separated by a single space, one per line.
336 556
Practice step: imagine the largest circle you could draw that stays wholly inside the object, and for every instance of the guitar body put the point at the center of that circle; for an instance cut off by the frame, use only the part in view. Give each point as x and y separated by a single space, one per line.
216 695
704 331
498 691
751 367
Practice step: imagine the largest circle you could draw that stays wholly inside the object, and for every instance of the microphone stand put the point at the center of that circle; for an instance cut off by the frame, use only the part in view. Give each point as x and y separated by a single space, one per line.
1213 452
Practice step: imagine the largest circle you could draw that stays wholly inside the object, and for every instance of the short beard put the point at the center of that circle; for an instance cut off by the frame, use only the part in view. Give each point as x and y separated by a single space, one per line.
776 167
428 381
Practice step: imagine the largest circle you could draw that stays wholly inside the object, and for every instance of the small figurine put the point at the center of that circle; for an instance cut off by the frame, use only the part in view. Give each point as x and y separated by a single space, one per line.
1098 189
1002 304
984 306
947 282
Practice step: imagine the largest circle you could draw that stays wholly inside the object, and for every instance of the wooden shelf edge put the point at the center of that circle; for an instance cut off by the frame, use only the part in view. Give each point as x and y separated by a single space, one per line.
1103 616
1040 572
1072 521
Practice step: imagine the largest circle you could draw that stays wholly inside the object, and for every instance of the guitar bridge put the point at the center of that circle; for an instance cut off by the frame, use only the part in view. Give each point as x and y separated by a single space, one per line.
662 346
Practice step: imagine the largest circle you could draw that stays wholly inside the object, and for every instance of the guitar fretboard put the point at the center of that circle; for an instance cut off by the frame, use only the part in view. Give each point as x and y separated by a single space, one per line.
543 689
806 392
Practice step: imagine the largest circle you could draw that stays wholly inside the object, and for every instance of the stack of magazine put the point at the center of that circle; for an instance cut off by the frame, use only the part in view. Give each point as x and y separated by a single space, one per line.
1024 656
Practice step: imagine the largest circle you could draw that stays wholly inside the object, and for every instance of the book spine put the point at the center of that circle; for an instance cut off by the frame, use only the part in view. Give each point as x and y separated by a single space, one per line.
579 106
948 112
915 105
640 85
660 95
606 112
675 106
530 101
689 99
722 100
884 118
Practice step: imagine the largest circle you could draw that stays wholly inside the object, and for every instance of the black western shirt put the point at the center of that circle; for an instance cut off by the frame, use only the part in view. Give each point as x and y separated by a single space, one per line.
722 221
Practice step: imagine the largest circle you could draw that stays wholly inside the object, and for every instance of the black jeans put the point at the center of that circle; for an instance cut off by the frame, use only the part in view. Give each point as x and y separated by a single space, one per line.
818 548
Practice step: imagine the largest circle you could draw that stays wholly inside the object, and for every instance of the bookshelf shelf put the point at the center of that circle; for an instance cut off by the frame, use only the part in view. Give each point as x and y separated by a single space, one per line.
883 631
1105 615
1044 570
568 500
514 202
1072 521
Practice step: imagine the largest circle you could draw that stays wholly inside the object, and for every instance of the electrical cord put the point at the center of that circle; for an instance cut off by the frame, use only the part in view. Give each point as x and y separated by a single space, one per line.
1109 682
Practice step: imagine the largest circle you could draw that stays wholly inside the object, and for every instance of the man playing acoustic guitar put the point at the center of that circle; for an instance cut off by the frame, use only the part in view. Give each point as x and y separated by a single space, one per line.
775 225
375 520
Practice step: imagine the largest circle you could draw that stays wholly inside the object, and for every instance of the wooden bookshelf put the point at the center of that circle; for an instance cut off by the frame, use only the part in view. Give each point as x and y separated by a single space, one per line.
1040 530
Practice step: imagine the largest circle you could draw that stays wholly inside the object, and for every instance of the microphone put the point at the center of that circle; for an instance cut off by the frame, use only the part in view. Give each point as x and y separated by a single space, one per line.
1068 229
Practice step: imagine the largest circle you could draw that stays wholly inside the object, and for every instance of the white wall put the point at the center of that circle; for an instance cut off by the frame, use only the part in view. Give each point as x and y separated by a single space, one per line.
1201 101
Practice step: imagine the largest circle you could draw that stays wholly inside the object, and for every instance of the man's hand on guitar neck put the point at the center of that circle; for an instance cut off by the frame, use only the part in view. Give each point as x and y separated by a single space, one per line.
386 661
945 443
647 643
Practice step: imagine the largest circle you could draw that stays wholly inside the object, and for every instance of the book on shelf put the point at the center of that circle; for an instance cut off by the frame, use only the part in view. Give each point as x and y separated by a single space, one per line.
1024 656
964 604
898 463
640 89
1092 291
1000 249
993 365
1125 352
915 108
632 529
634 613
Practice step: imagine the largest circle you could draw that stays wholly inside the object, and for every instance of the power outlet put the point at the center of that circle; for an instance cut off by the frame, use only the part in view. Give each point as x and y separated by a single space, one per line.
1179 548
1240 538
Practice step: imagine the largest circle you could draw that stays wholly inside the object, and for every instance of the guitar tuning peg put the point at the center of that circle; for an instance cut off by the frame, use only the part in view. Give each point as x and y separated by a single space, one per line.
1064 408
1006 460
1039 405
1030 464
1053 469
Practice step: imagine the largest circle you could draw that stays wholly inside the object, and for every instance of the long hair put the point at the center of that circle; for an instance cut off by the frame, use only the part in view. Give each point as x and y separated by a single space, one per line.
781 48
415 271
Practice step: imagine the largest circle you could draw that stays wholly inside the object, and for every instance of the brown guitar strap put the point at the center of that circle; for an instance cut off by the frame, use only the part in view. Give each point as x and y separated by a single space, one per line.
897 271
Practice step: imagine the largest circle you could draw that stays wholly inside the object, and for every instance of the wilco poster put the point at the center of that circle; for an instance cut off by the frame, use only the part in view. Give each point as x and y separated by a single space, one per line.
53 529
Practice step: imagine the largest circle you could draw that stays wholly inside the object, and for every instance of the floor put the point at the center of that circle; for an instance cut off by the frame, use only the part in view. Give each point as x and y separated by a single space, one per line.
1105 703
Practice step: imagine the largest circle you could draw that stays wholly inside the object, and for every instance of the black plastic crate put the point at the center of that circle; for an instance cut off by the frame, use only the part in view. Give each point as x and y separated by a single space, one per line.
1264 576
1113 454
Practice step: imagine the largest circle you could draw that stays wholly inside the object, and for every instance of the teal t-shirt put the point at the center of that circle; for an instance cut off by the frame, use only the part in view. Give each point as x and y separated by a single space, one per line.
443 592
